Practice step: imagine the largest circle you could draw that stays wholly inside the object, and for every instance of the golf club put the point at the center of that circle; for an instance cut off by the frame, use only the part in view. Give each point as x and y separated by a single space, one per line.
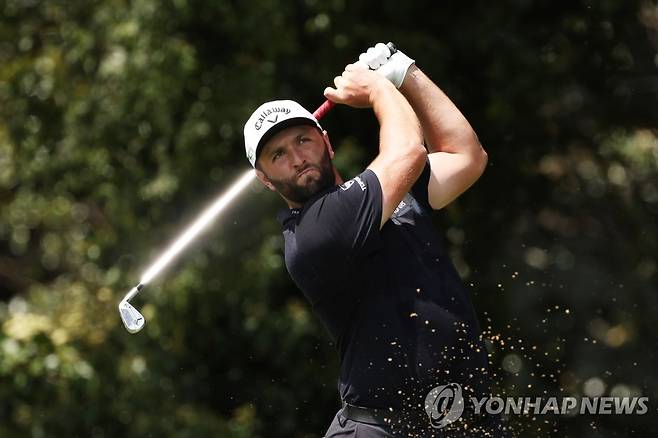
132 319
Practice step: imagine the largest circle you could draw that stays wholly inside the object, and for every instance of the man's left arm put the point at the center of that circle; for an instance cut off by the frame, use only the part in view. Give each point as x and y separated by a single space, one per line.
456 156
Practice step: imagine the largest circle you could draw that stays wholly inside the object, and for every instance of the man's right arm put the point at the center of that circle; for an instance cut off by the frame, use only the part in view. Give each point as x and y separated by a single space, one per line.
402 156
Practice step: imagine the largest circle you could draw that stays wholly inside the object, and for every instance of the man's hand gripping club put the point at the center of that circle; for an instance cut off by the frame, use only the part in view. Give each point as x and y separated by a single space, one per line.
358 87
393 65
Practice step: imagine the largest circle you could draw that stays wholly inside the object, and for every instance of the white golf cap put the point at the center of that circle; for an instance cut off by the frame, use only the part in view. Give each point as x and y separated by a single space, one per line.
269 119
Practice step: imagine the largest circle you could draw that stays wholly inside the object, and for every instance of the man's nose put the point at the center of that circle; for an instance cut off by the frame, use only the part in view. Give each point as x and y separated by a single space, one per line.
296 158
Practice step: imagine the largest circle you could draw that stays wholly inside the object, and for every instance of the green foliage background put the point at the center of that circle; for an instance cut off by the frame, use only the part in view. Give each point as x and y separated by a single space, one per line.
120 120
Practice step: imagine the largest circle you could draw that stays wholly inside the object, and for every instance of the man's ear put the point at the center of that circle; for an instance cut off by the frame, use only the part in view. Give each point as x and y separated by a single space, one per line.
265 180
325 136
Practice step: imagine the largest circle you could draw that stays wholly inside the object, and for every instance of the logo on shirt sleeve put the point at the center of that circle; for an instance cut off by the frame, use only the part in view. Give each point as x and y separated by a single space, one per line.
347 184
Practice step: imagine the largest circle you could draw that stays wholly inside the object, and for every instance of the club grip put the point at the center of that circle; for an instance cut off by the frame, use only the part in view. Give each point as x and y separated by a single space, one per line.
323 109
327 105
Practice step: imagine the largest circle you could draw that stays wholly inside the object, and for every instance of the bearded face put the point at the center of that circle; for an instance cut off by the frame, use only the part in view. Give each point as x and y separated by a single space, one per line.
309 180
297 163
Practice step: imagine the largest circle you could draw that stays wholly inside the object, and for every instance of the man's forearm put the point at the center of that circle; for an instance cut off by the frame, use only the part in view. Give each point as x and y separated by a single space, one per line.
398 122
445 128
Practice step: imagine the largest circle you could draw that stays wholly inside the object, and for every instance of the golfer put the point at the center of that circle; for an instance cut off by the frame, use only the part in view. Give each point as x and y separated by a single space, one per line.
366 254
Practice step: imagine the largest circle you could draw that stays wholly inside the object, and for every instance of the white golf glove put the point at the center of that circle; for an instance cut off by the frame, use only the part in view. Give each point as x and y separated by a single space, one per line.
393 67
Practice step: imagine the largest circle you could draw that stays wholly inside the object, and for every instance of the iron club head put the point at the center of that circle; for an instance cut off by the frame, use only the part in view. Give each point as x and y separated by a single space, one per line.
132 319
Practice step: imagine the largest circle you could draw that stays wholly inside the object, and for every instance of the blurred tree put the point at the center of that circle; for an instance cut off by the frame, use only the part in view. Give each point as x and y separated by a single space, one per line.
120 119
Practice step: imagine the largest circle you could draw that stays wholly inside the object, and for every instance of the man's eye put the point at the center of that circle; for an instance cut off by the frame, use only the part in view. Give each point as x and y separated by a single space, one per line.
276 155
304 139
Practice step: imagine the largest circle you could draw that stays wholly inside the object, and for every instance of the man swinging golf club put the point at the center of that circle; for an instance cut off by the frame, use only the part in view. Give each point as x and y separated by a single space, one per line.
365 252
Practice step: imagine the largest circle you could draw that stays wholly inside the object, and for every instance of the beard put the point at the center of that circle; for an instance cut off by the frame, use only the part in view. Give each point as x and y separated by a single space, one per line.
292 190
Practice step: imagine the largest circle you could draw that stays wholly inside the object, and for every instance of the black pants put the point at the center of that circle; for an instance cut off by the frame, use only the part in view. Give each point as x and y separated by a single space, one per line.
342 427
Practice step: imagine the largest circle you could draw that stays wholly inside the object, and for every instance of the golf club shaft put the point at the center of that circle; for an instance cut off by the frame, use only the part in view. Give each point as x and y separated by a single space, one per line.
134 291
197 226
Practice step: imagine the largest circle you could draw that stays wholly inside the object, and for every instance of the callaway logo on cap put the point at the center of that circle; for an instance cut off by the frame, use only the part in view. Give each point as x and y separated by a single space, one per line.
270 118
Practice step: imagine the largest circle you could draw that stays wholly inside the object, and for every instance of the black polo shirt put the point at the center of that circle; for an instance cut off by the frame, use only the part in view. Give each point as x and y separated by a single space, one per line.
390 298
